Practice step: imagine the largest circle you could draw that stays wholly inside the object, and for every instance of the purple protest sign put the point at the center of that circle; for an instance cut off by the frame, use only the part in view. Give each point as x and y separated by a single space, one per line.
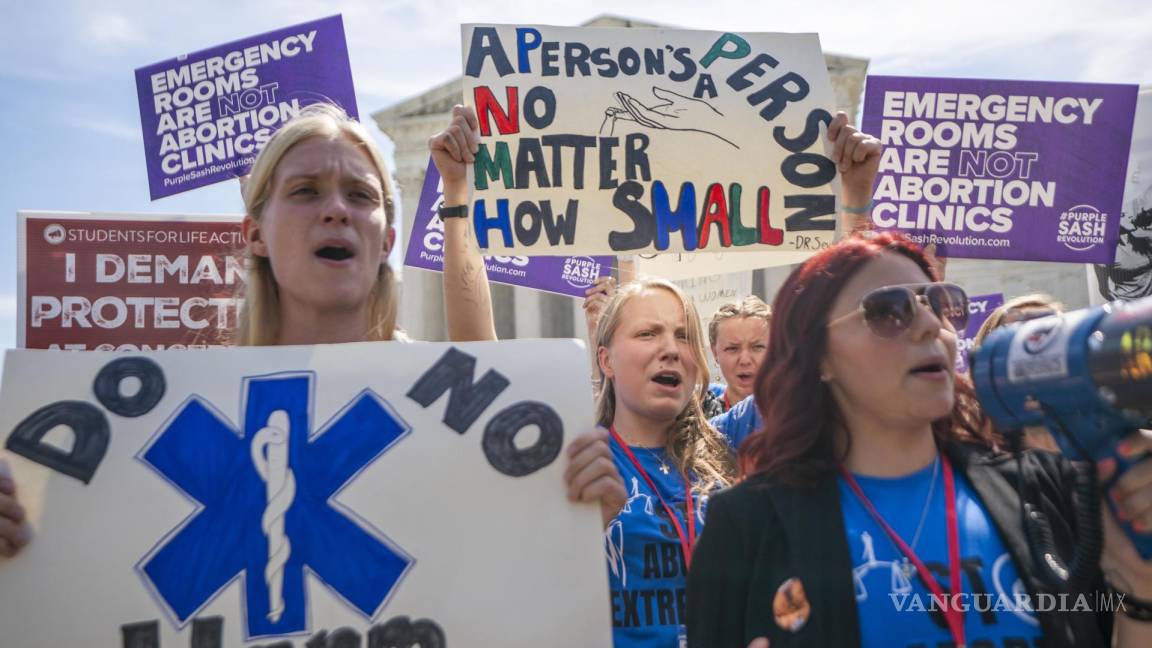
563 275
206 115
1025 170
980 307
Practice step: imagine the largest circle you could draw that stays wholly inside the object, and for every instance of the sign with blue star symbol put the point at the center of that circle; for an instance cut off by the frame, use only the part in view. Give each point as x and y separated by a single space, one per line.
266 508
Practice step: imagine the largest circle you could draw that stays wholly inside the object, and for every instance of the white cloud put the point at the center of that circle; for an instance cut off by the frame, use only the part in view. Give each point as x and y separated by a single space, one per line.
107 127
11 68
110 29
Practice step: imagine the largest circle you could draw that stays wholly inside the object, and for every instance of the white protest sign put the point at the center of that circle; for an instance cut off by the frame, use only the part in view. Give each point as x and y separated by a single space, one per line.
709 293
616 141
687 266
375 494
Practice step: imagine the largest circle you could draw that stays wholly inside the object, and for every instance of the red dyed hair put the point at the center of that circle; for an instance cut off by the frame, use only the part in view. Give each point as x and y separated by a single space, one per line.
797 441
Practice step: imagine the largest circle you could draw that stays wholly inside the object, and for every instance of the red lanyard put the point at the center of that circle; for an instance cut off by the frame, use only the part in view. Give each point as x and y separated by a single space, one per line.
727 405
952 613
687 542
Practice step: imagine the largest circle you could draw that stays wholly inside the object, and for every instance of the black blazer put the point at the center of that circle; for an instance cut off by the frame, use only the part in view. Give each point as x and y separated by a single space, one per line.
759 534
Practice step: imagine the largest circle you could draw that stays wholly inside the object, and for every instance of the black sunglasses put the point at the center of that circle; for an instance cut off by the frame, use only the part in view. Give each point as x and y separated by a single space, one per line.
890 310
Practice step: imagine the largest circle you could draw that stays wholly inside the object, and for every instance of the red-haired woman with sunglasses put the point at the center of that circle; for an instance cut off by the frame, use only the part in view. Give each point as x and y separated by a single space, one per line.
871 495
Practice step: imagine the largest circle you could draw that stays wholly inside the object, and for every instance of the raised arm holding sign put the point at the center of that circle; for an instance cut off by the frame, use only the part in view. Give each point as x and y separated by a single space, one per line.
453 149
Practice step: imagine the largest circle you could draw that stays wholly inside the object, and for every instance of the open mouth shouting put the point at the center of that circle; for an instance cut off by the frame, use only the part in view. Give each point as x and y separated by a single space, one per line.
335 251
669 379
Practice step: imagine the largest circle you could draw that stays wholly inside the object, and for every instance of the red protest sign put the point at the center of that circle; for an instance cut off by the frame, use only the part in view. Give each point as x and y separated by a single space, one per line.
126 282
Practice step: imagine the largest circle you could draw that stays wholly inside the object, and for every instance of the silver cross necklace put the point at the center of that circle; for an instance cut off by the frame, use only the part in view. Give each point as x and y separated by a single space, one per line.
663 466
906 566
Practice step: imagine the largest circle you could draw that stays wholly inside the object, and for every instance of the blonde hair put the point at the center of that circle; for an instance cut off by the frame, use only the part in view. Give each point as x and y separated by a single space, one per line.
258 323
693 445
1034 436
750 306
999 317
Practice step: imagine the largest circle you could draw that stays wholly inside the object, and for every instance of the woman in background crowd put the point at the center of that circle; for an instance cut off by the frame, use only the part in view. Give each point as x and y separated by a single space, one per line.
1021 309
650 353
1016 310
738 337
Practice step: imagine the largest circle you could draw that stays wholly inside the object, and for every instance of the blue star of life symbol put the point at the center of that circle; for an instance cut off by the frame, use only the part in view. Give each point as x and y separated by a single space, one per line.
266 505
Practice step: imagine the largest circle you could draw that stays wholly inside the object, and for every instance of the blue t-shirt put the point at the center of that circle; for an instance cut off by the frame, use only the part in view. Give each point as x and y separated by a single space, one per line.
895 608
740 421
646 568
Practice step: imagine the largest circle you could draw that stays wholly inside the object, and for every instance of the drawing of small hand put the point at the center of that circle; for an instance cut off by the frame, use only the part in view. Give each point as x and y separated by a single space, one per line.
674 111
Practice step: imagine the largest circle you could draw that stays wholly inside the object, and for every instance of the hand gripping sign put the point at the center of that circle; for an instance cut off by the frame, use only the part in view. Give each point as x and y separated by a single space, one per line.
382 494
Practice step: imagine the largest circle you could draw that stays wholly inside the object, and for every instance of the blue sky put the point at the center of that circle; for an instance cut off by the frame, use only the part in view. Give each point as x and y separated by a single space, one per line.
70 122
